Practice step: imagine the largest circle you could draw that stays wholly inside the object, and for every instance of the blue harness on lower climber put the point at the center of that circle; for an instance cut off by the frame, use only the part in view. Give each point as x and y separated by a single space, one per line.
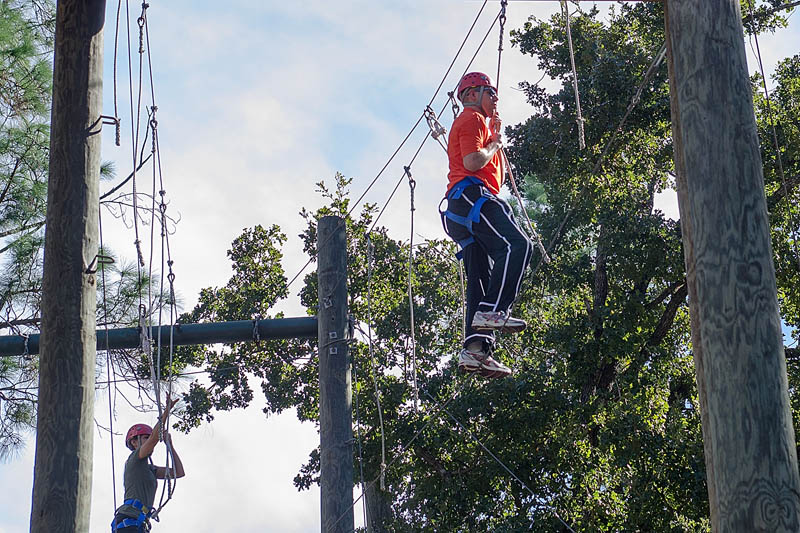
473 216
144 514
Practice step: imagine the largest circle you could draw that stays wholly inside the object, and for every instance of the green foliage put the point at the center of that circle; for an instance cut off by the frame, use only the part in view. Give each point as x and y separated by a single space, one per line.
600 423
26 31
26 44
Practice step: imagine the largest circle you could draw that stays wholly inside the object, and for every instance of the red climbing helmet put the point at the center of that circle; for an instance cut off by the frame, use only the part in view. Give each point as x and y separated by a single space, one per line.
473 79
135 431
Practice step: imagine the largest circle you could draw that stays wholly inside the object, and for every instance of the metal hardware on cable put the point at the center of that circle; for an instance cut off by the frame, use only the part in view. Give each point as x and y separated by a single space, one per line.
438 132
579 119
453 104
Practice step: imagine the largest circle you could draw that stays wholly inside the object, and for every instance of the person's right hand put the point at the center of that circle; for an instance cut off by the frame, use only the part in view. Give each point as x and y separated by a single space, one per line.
495 126
170 403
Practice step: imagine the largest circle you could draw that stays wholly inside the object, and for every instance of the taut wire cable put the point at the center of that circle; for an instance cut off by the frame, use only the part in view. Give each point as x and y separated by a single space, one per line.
658 59
408 135
430 415
506 468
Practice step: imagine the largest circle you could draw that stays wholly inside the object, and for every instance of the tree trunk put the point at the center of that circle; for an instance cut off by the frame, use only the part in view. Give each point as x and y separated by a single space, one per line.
751 459
62 486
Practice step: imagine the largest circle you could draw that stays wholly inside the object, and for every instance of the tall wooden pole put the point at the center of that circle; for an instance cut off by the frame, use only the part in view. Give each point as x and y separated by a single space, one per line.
335 397
750 450
62 485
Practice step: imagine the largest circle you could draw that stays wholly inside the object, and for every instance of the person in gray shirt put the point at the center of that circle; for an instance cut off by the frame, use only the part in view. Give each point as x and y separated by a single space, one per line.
141 476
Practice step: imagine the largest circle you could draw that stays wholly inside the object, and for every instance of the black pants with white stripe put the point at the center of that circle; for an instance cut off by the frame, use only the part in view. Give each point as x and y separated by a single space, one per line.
495 262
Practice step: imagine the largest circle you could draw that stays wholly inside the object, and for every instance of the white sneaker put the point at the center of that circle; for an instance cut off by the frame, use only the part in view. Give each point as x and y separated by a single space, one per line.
488 320
481 363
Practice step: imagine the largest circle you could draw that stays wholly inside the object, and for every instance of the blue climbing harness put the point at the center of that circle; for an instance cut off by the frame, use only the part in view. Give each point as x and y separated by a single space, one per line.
144 514
473 216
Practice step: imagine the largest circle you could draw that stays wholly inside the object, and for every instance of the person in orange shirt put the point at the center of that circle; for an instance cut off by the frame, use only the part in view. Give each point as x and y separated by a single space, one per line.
495 250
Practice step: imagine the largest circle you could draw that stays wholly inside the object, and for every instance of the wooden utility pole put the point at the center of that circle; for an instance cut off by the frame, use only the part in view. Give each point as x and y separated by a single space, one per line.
751 460
62 485
335 397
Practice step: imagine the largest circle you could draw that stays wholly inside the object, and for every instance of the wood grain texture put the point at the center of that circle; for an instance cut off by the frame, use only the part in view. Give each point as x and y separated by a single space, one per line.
750 450
63 463
335 394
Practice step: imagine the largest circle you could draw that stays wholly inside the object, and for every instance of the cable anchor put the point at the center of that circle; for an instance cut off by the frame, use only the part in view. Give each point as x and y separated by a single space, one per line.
99 261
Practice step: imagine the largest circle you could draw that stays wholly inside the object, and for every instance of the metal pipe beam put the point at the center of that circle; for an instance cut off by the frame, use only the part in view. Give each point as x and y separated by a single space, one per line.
184 334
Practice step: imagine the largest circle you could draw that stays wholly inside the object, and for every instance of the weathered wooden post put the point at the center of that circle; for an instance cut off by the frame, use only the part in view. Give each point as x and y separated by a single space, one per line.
62 487
335 397
749 442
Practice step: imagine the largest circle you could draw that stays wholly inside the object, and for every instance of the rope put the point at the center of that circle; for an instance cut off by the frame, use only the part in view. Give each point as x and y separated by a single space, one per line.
412 185
430 415
358 441
108 364
779 157
534 233
370 257
413 128
463 301
503 5
116 49
579 119
507 469
386 204
634 102
458 52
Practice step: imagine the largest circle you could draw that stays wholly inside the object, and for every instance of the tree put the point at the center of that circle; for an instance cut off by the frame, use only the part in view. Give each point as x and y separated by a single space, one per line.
26 45
600 423
26 33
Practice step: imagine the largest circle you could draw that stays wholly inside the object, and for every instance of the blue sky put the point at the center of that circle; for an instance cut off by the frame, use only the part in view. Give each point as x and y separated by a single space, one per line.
257 101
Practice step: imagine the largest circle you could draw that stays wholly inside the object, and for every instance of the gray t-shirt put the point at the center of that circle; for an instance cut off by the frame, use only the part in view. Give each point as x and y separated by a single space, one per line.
140 484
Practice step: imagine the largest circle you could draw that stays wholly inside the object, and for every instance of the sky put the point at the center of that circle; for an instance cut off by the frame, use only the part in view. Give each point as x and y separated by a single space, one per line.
258 101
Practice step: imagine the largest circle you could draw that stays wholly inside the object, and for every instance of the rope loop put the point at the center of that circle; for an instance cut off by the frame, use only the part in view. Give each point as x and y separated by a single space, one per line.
503 5
502 18
412 184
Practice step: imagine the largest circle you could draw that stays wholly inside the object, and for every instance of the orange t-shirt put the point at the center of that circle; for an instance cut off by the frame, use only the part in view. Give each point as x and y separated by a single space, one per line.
469 134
